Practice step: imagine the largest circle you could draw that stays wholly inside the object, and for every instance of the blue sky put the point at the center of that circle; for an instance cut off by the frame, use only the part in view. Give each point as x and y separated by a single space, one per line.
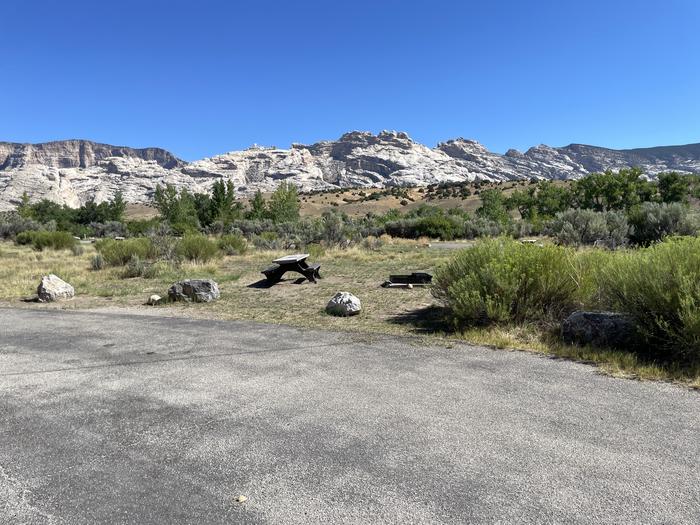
205 77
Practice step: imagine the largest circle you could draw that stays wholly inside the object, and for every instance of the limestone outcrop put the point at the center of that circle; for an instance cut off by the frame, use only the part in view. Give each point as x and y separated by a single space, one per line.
74 171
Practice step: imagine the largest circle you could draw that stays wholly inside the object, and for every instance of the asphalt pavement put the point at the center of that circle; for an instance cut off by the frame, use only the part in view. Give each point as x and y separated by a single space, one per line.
122 418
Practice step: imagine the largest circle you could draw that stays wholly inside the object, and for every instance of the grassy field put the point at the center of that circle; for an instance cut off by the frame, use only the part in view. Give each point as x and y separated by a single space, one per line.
359 271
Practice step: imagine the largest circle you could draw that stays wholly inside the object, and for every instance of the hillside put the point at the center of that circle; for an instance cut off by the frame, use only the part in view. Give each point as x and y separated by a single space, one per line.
74 171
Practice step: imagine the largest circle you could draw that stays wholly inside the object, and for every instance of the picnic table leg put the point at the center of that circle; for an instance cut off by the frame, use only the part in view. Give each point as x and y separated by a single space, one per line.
304 270
276 276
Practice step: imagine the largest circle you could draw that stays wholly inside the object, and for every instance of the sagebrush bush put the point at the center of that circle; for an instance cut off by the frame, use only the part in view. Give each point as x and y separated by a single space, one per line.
12 223
119 252
97 262
651 222
268 241
233 244
373 243
502 280
436 226
138 268
659 287
579 227
39 240
197 248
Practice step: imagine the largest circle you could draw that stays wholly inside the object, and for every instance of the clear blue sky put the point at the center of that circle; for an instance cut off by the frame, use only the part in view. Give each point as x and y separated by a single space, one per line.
205 77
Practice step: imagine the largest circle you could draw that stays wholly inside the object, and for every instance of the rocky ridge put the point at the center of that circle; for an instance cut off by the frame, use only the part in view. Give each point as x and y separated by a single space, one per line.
74 171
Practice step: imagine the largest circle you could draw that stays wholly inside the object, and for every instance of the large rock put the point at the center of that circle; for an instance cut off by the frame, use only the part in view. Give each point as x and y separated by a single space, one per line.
600 329
53 288
344 304
194 290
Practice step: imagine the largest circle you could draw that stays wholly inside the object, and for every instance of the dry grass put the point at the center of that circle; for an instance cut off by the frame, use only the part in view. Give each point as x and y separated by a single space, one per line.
359 271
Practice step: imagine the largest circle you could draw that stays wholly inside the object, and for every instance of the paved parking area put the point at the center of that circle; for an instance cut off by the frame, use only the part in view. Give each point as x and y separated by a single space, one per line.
112 418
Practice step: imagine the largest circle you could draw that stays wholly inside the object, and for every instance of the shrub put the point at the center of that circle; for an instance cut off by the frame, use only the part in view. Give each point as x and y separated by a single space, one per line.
138 268
268 241
139 228
480 227
660 288
197 248
503 280
233 244
77 250
12 223
577 227
118 253
651 222
109 229
46 239
165 247
432 226
373 243
98 262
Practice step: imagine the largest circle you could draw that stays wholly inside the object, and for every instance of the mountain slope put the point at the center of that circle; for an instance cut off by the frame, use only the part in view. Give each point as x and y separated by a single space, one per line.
74 171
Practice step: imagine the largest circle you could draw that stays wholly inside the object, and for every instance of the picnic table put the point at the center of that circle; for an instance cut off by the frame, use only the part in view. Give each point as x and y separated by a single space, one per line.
292 263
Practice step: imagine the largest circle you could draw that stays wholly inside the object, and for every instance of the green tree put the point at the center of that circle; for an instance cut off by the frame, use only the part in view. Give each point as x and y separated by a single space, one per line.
523 201
24 209
611 191
284 203
177 209
493 206
673 187
258 207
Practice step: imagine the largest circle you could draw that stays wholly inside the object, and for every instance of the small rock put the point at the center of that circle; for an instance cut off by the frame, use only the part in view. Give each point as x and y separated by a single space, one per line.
599 329
53 288
155 299
194 290
344 304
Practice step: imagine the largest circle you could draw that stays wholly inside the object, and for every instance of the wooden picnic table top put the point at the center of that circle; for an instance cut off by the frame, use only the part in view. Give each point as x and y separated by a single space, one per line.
287 259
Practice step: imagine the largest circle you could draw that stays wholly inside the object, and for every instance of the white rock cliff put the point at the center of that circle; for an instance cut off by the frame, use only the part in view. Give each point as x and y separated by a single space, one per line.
74 171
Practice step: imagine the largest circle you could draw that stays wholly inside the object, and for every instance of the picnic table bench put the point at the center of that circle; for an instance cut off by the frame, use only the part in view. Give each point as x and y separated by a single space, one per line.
292 263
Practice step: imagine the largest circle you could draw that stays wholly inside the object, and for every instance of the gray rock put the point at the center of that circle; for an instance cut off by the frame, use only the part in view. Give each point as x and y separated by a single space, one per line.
53 288
344 304
609 329
194 290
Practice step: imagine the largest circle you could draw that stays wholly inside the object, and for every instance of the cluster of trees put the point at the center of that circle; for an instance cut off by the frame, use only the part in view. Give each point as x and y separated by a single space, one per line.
79 221
609 208
601 192
186 212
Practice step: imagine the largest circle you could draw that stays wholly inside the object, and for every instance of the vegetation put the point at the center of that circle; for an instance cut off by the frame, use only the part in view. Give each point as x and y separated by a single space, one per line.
197 248
500 290
502 281
40 240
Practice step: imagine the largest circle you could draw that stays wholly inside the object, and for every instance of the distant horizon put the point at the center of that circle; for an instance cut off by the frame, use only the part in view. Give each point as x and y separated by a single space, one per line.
203 79
277 146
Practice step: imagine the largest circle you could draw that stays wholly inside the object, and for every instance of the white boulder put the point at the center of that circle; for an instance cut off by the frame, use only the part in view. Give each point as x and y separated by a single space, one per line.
344 304
53 288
